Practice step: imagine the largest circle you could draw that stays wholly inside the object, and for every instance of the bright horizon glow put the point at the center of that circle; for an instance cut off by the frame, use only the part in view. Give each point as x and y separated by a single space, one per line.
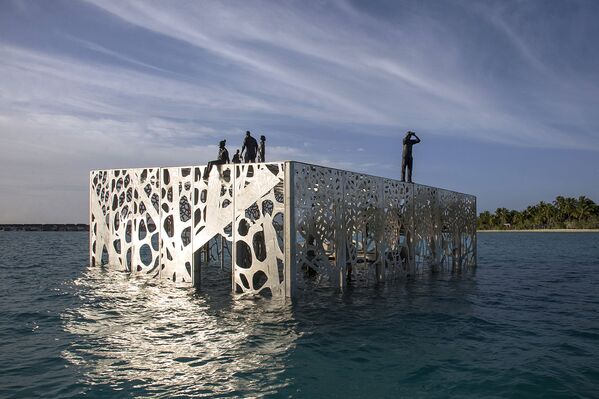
503 95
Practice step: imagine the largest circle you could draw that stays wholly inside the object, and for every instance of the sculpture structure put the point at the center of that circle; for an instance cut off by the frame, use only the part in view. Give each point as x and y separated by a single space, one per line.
236 157
407 160
221 159
250 147
290 226
262 149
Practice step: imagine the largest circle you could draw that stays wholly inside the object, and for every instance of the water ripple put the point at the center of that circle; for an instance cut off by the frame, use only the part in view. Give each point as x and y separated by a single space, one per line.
525 323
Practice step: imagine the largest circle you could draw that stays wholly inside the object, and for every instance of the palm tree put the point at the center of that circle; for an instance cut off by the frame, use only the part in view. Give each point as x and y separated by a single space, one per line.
569 208
536 216
502 216
560 204
562 212
484 220
584 208
517 220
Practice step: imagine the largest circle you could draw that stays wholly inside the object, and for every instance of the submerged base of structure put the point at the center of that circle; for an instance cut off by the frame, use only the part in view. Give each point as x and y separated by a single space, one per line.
287 225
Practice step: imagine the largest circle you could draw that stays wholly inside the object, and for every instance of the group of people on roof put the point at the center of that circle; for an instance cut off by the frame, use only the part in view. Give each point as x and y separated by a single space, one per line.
254 150
250 151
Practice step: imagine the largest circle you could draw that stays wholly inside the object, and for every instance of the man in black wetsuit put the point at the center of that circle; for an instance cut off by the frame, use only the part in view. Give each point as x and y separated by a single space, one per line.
250 146
407 160
223 158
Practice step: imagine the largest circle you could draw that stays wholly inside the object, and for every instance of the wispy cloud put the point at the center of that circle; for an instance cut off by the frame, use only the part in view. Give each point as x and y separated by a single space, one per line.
378 73
131 83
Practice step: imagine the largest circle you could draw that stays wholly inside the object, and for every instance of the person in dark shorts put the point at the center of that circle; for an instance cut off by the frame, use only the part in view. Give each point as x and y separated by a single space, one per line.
223 158
407 161
250 146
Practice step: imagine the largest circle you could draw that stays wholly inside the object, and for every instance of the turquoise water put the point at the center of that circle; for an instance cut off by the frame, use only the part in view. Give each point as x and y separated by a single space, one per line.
524 324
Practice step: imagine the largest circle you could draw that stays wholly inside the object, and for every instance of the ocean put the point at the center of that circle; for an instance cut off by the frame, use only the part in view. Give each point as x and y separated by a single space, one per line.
525 323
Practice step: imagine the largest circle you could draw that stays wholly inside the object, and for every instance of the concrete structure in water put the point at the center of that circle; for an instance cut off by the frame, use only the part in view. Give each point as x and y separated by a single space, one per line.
288 226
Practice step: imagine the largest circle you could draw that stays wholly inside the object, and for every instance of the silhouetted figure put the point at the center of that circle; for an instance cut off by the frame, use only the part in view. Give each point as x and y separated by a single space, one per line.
308 269
351 250
236 158
223 158
250 146
404 257
262 149
407 160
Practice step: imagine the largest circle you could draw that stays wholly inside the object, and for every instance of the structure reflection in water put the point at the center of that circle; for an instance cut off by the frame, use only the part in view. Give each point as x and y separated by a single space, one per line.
148 330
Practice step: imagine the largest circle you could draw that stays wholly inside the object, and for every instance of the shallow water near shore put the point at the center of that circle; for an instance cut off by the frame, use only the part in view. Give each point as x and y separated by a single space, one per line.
524 324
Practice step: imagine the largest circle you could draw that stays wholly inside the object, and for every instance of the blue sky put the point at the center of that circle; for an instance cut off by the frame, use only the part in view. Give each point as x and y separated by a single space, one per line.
504 95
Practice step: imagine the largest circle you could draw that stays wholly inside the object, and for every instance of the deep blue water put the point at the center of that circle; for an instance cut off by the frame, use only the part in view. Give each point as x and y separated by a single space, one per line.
524 324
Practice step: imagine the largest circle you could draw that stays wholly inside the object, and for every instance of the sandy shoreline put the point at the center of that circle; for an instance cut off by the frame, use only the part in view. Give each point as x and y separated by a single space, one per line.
541 231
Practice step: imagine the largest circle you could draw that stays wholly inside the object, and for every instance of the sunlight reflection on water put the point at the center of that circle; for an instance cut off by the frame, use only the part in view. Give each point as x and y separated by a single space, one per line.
150 331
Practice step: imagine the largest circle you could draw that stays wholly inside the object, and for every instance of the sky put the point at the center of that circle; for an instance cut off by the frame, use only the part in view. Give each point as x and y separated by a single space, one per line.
504 95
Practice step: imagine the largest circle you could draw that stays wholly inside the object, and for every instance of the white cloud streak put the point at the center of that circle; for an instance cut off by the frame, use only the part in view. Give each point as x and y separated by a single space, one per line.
90 101
393 76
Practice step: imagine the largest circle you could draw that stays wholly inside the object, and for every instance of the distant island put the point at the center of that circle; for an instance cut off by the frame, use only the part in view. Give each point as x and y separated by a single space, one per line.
565 213
45 227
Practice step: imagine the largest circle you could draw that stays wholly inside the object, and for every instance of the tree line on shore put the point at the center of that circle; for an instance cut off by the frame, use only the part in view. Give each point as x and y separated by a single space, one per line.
563 213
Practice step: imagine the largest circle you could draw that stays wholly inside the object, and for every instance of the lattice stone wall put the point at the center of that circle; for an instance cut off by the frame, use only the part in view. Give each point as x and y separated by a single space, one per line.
156 221
258 252
290 225
124 219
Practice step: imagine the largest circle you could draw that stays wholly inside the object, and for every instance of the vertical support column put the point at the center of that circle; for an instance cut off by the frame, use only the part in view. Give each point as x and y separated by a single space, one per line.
475 233
341 236
235 172
290 231
461 254
206 252
91 227
196 277
196 265
411 246
222 252
380 233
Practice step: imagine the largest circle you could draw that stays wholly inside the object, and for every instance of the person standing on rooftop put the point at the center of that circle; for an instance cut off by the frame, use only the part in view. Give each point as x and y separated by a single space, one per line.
250 146
407 160
262 149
